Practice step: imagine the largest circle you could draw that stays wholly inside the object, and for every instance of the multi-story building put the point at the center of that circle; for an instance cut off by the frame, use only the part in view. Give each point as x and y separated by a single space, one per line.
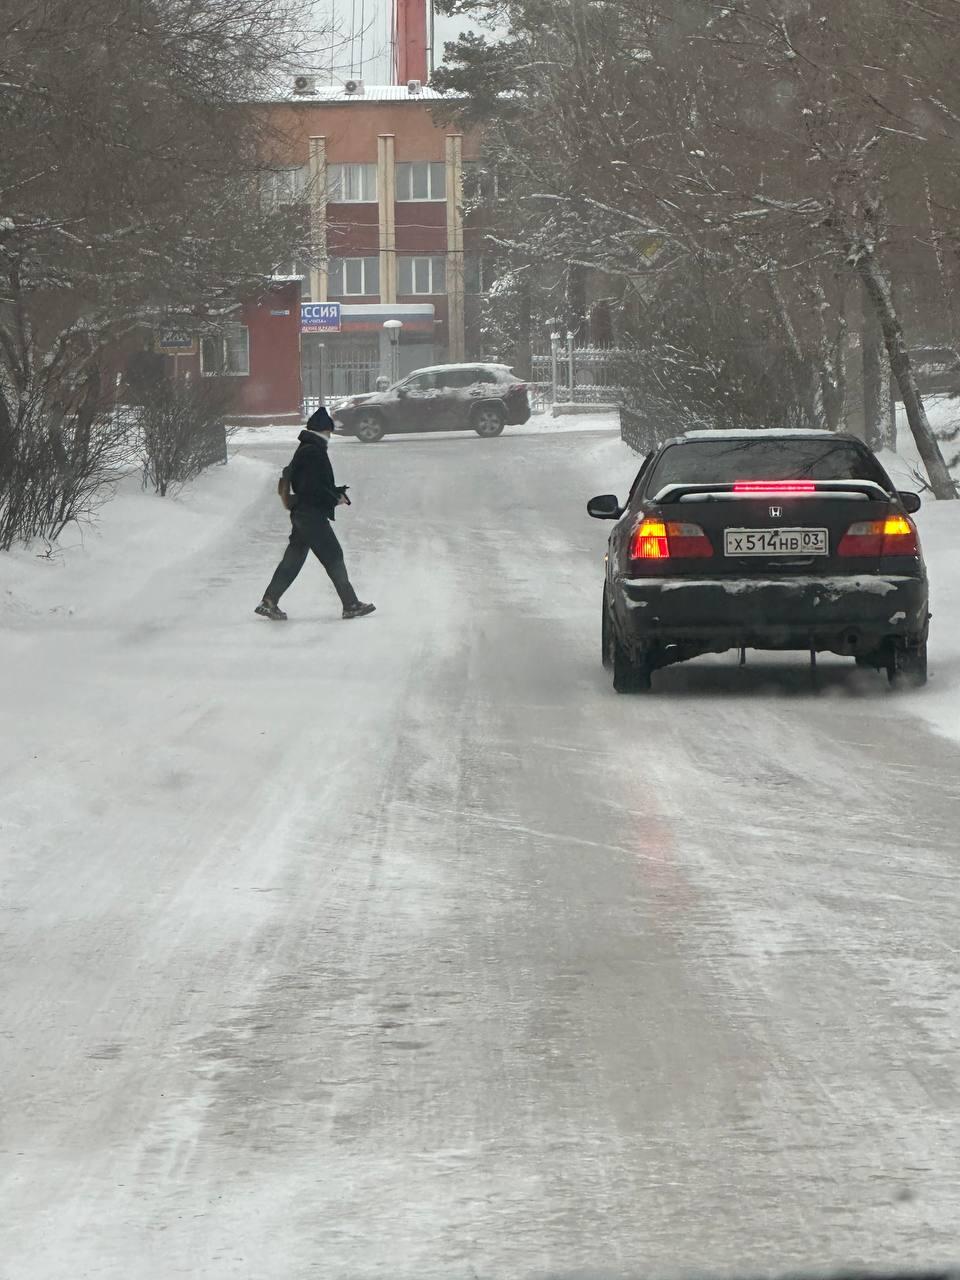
383 180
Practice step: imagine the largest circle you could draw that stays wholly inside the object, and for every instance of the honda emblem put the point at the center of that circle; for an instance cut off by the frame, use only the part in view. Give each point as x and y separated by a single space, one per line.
776 513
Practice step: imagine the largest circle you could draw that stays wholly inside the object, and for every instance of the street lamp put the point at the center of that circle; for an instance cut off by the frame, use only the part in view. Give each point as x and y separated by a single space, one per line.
393 328
554 362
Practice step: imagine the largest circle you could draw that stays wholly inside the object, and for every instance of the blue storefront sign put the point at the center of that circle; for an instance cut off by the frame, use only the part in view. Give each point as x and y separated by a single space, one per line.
320 317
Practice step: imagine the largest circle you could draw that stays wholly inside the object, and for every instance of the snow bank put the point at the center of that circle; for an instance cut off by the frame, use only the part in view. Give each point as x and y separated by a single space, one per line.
939 524
939 703
96 568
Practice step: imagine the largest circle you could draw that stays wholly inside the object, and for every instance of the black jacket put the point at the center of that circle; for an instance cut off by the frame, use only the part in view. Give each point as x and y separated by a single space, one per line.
311 475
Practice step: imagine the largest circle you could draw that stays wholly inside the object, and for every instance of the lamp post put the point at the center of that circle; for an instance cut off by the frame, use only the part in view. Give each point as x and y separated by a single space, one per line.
393 328
554 361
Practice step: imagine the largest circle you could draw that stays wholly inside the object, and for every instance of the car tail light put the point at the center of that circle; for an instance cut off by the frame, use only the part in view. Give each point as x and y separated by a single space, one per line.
518 386
774 486
669 540
893 536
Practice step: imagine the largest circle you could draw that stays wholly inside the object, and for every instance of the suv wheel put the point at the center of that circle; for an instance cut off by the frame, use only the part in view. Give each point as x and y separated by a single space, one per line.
488 421
369 429
907 664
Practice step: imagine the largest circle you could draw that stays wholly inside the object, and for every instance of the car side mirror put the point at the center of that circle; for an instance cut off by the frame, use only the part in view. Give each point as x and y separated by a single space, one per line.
911 501
605 507
402 393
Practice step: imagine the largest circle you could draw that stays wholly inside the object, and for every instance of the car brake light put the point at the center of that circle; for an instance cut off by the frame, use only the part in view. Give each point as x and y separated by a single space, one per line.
518 386
774 486
669 540
894 536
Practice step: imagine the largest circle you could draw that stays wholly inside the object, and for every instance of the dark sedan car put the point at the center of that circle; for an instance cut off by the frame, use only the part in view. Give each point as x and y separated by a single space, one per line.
470 397
763 540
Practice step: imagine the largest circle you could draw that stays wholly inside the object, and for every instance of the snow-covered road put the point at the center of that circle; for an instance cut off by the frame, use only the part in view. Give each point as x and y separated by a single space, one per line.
405 948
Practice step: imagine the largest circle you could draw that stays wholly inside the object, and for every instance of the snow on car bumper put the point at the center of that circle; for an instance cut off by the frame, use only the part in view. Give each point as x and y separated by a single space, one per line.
847 611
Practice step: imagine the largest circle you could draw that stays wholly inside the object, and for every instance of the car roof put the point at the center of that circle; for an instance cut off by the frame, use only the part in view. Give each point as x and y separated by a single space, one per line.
469 364
765 433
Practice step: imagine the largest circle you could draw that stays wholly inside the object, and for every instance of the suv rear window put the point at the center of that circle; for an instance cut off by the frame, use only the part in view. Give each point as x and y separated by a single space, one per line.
726 461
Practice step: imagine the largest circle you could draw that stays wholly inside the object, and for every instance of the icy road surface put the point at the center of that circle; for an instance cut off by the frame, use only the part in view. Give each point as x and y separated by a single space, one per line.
405 948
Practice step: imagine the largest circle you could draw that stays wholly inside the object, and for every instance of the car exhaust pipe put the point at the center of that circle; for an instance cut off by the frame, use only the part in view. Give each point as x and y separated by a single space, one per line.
850 642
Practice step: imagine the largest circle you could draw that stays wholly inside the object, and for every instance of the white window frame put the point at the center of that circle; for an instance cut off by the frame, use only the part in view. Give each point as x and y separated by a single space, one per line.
365 269
286 186
474 261
436 176
364 176
436 264
222 369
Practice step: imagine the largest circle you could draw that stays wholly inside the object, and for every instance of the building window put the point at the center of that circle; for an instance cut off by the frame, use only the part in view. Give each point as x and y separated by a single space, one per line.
422 181
473 274
284 186
354 277
481 183
352 183
422 275
226 354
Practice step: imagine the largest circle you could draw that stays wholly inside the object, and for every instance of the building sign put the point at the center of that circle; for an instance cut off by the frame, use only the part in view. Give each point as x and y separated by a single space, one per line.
176 342
320 317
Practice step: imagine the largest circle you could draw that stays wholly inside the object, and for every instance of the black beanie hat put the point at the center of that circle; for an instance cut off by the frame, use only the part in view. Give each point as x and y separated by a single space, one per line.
320 421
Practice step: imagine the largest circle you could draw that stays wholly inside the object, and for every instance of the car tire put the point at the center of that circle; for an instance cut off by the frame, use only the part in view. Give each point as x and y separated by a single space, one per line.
907 664
488 421
629 676
369 429
606 633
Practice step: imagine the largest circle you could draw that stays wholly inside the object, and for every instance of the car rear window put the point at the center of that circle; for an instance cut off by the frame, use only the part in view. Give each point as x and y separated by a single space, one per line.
726 461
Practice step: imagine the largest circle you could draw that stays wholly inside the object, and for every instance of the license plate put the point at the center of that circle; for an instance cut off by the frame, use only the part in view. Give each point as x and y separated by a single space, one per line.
775 542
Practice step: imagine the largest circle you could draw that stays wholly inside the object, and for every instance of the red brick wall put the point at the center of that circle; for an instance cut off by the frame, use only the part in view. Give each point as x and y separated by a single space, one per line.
353 230
352 128
421 226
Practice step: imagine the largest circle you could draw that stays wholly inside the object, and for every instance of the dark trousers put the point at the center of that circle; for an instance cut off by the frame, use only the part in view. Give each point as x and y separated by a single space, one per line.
311 531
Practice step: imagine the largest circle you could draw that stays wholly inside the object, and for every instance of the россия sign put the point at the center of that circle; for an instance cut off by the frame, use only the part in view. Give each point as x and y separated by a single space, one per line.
319 317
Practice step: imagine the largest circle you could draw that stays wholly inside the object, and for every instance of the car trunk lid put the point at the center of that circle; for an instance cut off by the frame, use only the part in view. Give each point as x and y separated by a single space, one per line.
767 528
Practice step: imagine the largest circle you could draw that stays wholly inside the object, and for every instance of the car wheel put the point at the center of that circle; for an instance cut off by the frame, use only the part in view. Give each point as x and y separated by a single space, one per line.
629 676
369 429
488 421
907 665
606 632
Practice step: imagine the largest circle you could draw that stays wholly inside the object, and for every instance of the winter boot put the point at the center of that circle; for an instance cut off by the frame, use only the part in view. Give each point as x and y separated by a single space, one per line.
267 609
358 610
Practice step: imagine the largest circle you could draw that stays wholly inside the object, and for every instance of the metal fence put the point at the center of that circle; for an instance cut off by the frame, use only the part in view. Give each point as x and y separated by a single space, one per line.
578 375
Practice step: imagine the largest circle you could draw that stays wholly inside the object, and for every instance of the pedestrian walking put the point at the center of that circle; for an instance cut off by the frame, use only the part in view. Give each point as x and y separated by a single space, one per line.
311 494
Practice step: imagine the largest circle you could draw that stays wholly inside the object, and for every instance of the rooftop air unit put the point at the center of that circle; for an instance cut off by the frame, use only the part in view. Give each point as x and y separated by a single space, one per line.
353 88
415 88
305 84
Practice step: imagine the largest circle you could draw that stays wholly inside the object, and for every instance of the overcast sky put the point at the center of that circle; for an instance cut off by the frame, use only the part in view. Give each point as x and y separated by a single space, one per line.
370 41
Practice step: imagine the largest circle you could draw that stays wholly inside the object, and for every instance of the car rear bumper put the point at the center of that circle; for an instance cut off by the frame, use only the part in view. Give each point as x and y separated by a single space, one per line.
843 614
